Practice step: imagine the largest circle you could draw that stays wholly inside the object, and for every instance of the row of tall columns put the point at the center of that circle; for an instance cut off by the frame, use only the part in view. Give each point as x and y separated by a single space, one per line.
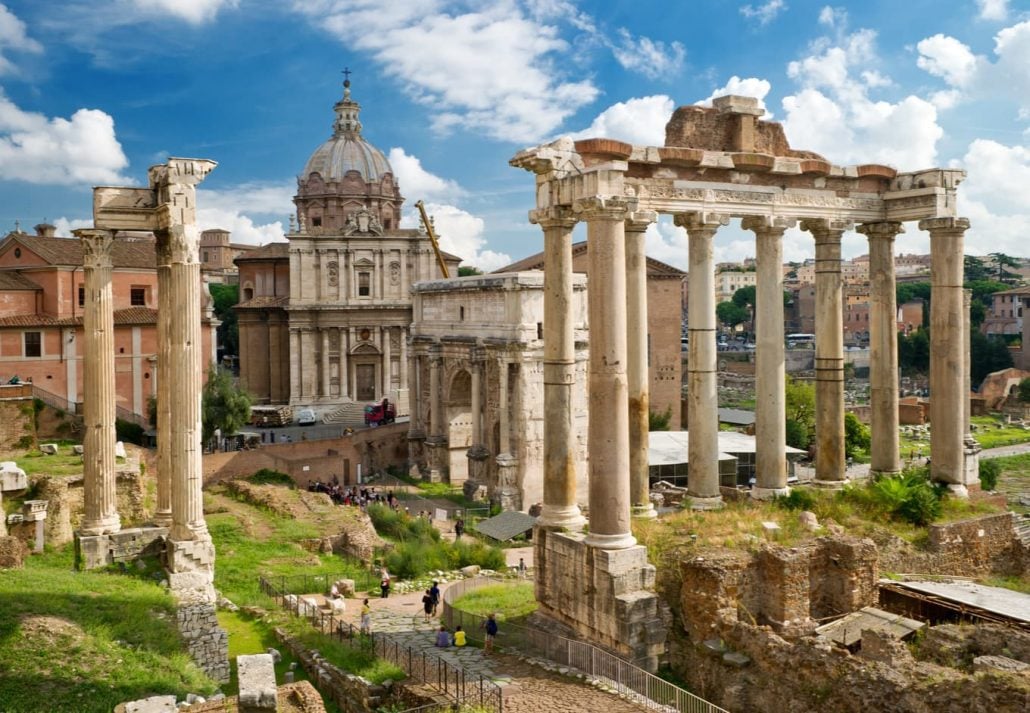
98 393
301 341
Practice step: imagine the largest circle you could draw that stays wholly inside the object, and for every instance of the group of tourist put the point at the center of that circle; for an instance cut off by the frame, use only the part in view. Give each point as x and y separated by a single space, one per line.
359 497
445 639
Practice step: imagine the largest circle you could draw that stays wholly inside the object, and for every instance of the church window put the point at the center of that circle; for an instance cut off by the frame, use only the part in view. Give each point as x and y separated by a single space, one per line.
316 221
207 257
33 344
364 284
138 296
248 293
82 296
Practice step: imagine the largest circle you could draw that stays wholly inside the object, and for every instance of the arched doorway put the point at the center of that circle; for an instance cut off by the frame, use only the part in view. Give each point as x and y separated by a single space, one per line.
459 426
365 362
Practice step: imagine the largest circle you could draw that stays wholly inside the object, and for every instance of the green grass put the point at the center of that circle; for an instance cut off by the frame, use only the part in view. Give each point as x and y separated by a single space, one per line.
36 463
94 639
993 432
508 601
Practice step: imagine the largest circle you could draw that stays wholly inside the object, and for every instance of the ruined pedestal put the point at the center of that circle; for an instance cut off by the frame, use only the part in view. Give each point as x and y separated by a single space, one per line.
476 484
436 457
507 495
128 545
604 595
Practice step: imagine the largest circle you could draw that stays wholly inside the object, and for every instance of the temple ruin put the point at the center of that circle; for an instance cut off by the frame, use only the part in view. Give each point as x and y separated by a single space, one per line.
719 163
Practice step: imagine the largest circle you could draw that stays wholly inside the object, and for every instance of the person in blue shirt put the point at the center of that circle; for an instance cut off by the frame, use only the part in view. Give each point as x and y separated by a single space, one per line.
490 625
443 638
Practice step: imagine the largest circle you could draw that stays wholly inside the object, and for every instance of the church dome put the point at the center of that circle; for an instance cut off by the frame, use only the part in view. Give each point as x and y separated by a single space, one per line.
347 150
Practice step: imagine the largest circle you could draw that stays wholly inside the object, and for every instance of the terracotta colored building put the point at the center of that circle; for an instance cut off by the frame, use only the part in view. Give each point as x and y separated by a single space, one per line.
217 254
42 294
664 290
324 318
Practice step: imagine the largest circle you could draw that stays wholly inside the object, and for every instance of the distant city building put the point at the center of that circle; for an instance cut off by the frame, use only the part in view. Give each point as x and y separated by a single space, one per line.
217 254
1005 315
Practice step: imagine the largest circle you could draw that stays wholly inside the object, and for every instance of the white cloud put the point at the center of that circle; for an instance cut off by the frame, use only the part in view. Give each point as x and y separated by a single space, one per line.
973 76
833 113
14 37
79 150
418 183
65 226
639 121
461 234
192 11
993 9
763 14
833 17
649 57
747 86
492 70
239 210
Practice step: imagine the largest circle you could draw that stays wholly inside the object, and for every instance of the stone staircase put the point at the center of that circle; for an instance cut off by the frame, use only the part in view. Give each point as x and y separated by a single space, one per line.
351 413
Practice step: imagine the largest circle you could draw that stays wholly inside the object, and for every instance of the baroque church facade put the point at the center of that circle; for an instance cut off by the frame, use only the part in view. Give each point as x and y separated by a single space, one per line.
324 318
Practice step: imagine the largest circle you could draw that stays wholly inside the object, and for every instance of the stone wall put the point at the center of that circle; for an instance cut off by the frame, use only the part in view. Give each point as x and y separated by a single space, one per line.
124 546
206 642
605 596
979 546
16 425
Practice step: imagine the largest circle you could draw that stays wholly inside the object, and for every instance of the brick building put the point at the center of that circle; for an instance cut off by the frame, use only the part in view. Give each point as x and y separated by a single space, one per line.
42 295
217 253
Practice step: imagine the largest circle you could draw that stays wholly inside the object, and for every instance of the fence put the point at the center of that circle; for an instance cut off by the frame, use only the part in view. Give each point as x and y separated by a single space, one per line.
624 677
428 668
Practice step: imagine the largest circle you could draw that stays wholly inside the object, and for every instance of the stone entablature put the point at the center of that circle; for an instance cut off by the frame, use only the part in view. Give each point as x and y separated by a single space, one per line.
481 328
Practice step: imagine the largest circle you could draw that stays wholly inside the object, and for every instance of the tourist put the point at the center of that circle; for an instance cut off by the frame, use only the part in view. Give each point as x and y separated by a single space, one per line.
366 618
384 585
427 604
490 625
434 592
443 639
522 568
459 528
459 637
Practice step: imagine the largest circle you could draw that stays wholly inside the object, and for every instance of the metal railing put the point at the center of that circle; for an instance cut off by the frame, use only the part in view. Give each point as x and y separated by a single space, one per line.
622 676
453 681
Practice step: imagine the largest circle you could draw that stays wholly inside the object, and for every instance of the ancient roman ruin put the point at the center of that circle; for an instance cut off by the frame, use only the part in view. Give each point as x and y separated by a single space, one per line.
719 163
168 208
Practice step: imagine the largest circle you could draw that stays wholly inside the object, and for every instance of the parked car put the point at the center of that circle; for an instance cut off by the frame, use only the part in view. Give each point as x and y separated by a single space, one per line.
376 414
306 417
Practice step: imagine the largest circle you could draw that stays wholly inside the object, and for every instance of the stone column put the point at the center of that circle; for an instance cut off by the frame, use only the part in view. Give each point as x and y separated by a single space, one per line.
387 365
295 365
702 365
506 493
560 508
437 441
971 447
403 365
98 387
344 379
885 454
326 378
770 401
947 342
608 425
477 452
477 408
829 352
637 377
163 506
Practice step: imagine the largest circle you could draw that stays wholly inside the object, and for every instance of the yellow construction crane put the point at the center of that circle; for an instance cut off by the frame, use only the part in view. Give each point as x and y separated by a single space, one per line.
432 238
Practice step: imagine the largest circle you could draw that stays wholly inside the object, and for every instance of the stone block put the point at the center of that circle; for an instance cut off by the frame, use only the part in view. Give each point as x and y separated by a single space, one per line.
736 659
119 450
999 663
257 683
91 551
12 477
471 571
48 449
620 561
78 450
12 553
154 704
345 587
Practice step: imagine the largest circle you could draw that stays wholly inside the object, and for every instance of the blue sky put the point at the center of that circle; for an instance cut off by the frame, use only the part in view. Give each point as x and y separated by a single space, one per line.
94 92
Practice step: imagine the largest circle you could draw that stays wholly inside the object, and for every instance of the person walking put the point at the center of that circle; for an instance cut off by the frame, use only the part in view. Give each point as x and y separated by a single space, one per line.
366 619
459 528
384 585
427 604
490 625
434 592
522 568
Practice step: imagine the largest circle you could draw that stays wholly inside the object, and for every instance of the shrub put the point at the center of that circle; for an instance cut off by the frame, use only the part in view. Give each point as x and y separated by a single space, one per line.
856 436
989 472
268 476
797 434
910 497
129 431
798 499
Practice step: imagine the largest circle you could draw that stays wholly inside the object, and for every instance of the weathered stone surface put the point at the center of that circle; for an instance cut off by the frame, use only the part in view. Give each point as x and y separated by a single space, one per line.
49 449
12 477
154 704
12 553
999 663
345 587
257 683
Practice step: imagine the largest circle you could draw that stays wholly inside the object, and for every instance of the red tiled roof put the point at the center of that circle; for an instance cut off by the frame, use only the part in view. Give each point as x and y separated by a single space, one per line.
268 251
655 268
14 280
263 302
131 253
31 320
129 317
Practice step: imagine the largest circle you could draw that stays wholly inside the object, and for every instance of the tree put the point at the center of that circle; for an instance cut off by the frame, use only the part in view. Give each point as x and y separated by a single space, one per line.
731 314
745 297
799 397
856 436
974 269
914 352
987 355
1024 390
223 405
225 297
1001 262
659 421
468 271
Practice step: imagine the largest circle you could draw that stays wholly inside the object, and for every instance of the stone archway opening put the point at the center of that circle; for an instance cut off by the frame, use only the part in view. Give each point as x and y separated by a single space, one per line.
458 412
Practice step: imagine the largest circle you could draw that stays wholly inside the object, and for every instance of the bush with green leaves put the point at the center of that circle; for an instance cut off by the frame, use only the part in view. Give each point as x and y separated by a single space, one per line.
909 497
400 525
797 499
856 436
268 476
989 472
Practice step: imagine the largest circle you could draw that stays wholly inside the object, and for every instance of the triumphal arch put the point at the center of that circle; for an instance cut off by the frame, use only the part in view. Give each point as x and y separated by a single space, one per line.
718 163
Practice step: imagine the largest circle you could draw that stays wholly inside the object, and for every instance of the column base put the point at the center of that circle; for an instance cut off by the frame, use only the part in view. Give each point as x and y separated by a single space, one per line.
958 490
610 542
561 517
877 474
829 484
643 512
711 503
162 519
758 493
104 526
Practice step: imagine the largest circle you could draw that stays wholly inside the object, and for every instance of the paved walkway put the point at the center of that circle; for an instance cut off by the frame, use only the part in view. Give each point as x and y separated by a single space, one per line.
527 688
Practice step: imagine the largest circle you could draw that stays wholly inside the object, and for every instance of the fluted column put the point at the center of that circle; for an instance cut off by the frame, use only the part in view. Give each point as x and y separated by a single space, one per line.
885 450
947 342
703 398
326 377
295 365
608 426
163 506
560 508
829 352
387 359
637 377
770 400
98 388
504 418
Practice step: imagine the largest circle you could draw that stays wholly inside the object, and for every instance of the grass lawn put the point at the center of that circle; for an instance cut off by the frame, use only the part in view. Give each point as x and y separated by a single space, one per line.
64 463
1014 479
507 601
993 432
86 641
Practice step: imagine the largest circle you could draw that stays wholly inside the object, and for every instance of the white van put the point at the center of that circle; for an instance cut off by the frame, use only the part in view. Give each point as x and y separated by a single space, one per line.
306 417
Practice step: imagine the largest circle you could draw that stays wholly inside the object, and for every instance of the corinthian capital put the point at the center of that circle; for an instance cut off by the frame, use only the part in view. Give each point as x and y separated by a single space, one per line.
700 223
554 217
96 246
761 224
604 207
826 228
882 229
637 221
944 226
